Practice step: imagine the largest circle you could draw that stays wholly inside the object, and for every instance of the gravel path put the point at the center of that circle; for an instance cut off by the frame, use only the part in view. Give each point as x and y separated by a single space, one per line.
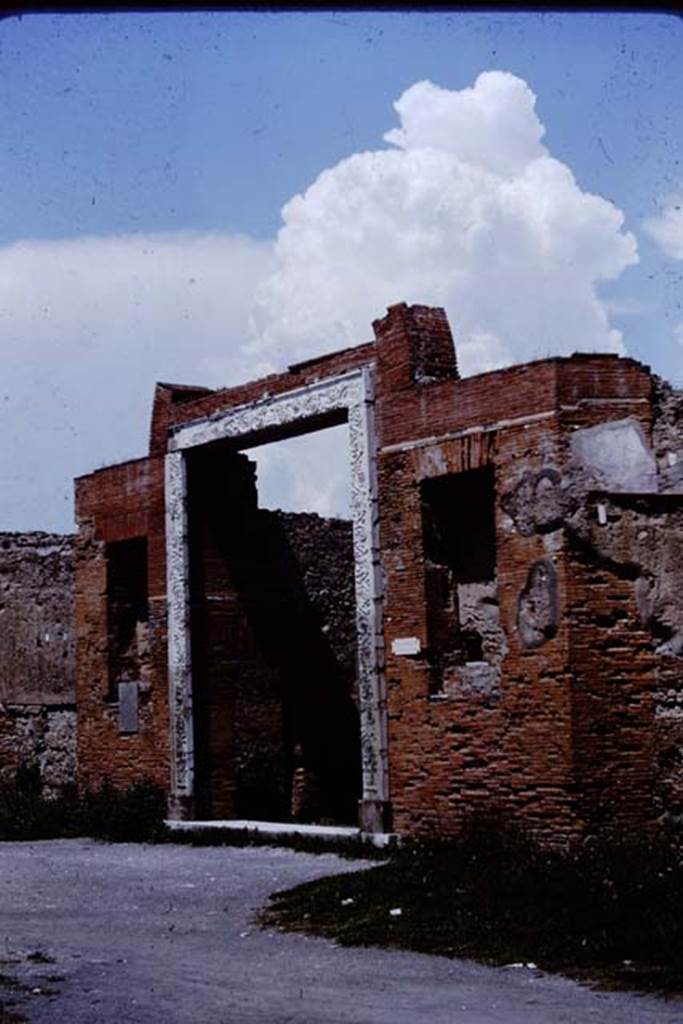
165 934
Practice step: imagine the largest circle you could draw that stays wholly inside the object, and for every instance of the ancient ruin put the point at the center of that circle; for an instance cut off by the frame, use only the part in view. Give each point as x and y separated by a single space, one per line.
499 628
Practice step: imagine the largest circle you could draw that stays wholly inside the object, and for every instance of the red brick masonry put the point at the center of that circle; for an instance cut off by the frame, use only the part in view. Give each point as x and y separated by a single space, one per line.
537 686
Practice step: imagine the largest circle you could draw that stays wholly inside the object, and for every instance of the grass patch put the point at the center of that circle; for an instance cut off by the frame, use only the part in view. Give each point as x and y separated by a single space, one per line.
9 1014
611 914
21 990
135 814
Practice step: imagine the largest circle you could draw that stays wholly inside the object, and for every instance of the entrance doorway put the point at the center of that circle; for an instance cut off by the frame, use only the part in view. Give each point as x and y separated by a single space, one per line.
288 742
273 646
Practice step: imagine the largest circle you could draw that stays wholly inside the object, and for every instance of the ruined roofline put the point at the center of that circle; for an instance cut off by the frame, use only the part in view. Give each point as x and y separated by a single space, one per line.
413 347
575 357
170 386
285 513
292 368
308 364
674 386
498 372
111 465
228 394
167 413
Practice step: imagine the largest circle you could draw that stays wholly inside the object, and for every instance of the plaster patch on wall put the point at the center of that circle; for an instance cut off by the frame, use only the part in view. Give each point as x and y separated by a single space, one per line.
538 610
642 537
617 455
36 635
480 613
479 679
431 462
667 436
537 503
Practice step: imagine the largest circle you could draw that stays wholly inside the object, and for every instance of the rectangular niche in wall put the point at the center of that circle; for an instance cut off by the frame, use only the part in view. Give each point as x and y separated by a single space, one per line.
464 639
127 613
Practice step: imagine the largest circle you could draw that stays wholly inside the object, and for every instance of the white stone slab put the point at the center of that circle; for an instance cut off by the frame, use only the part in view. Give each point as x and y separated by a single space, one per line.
128 707
405 646
280 828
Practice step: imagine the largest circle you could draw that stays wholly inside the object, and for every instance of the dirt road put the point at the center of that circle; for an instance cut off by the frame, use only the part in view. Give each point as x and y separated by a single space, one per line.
127 934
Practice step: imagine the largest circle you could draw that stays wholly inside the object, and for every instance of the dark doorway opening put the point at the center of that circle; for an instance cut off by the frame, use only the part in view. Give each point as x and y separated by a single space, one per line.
459 540
272 619
127 611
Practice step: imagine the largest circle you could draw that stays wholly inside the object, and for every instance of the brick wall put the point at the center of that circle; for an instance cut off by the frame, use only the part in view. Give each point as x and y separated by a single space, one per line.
113 505
523 733
502 740
272 608
535 685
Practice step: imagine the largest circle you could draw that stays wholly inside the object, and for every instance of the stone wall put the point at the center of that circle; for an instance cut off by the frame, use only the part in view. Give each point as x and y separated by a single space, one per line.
37 700
323 551
42 734
37 703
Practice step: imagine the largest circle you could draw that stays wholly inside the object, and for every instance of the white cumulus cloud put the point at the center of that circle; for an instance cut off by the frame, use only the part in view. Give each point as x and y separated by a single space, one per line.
468 210
667 228
493 125
87 326
462 207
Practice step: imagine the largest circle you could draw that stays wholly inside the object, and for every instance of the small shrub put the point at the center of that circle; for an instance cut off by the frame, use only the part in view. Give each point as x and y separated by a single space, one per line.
26 813
135 814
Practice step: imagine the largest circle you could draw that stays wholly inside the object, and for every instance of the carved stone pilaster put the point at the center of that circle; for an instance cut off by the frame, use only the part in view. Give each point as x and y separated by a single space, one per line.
179 660
351 392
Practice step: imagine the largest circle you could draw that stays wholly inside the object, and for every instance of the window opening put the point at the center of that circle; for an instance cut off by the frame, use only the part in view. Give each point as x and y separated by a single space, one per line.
127 618
464 637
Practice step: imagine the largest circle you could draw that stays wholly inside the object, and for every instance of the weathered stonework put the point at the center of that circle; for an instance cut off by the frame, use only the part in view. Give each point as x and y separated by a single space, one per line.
37 703
42 735
36 642
667 436
518 628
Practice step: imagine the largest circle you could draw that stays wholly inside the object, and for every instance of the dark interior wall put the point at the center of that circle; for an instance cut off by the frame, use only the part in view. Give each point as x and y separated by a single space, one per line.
127 611
322 550
273 650
459 539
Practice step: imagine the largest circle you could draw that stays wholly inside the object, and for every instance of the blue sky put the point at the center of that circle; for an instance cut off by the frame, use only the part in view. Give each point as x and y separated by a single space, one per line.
188 133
